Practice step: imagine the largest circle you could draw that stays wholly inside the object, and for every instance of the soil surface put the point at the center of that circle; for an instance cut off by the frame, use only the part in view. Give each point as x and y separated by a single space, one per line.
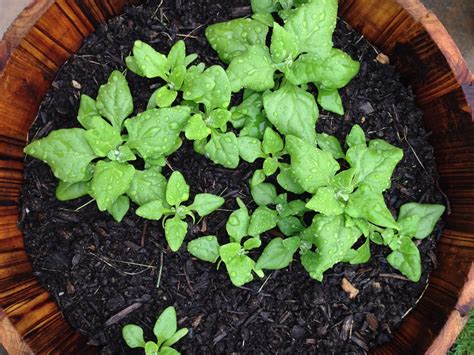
104 275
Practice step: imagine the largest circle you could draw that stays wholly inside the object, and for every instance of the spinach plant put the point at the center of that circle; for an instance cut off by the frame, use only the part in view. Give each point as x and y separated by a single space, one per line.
165 330
169 206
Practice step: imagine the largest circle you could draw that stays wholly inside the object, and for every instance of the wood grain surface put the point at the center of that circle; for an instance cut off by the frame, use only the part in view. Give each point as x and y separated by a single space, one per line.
48 32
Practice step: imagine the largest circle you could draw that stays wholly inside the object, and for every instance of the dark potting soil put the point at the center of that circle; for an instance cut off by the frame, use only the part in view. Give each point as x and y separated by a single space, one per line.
104 275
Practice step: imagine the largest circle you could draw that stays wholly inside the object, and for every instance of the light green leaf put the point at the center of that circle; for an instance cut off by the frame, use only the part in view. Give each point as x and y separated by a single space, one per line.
330 100
253 69
196 128
270 166
177 190
407 260
175 232
255 126
151 348
278 254
223 149
200 146
190 58
165 350
196 85
66 151
428 216
263 219
370 205
238 222
133 336
290 225
153 210
264 18
119 208
205 248
330 144
292 111
71 190
239 266
361 255
205 204
250 149
148 61
111 180
263 194
292 208
146 186
87 110
156 131
272 142
232 38
313 25
220 94
257 178
165 325
177 77
284 46
311 167
114 100
165 97
121 154
326 202
263 6
286 180
174 339
252 243
177 55
102 137
218 118
249 108
356 137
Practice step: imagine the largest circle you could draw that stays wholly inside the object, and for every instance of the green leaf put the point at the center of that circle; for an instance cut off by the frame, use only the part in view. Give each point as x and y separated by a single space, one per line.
428 216
190 58
253 69
374 166
263 219
263 6
175 232
361 255
290 225
270 166
255 126
232 38
205 248
278 254
156 131
111 180
313 25
356 137
370 205
250 149
249 108
205 204
264 18
165 97
252 243
286 180
200 146
87 110
272 142
119 208
263 194
220 94
146 186
311 167
121 154
196 128
133 336
71 190
239 266
177 55
223 149
148 61
114 100
326 202
175 338
168 351
218 118
292 208
151 348
66 151
292 111
330 100
165 325
102 137
177 190
407 260
196 85
284 46
333 241
238 222
153 210
177 76
330 144
257 178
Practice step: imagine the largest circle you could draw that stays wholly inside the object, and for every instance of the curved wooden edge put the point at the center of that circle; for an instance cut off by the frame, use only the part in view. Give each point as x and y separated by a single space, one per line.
457 319
20 27
9 338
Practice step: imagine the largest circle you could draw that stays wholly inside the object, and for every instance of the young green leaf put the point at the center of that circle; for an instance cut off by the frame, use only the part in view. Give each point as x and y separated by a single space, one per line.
119 208
428 216
330 100
232 38
87 110
196 84
111 180
205 248
263 6
311 167
165 97
165 325
361 255
284 46
272 142
238 222
196 128
264 18
148 61
146 186
174 339
278 253
239 266
286 180
121 154
326 202
356 137
151 348
220 94
71 190
292 208
177 55
165 350
407 259
176 78
290 225
102 137
153 210
253 69
218 118
263 219
293 111
177 190
330 144
270 166
250 149
133 336
252 243
263 194
223 149
175 232
255 126
205 204
66 151
249 108
114 100
257 178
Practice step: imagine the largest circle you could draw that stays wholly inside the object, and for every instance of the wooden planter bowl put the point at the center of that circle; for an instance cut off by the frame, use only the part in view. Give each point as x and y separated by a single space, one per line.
47 32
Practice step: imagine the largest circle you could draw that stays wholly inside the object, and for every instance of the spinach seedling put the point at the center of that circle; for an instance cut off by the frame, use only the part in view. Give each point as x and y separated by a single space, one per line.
165 330
177 192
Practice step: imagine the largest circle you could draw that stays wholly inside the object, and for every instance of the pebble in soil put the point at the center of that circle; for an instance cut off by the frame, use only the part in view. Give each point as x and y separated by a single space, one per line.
104 275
